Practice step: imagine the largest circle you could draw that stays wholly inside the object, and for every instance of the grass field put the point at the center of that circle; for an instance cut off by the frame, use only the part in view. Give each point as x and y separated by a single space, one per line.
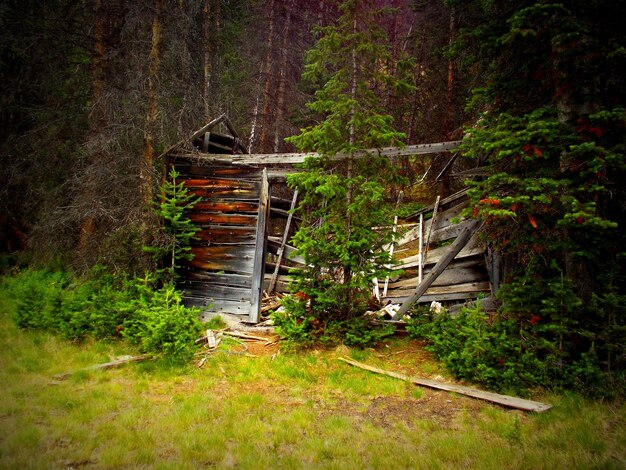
303 410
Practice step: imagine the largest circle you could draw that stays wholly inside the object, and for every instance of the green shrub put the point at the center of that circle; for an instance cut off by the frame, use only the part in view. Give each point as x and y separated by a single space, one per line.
502 352
104 306
36 298
480 348
164 325
302 328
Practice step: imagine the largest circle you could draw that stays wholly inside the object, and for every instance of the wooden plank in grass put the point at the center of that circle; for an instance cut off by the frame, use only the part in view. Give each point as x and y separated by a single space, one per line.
504 400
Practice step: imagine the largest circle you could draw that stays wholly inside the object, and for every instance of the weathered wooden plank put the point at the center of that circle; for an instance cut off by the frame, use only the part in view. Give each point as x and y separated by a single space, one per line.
474 247
259 252
225 252
451 231
220 218
227 235
207 127
236 280
226 206
442 264
191 170
504 400
291 158
472 287
226 193
448 277
444 219
219 305
426 299
214 291
231 265
107 365
216 183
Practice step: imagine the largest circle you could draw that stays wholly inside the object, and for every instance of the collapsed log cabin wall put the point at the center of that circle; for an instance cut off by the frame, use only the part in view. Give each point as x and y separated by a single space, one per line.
235 257
466 277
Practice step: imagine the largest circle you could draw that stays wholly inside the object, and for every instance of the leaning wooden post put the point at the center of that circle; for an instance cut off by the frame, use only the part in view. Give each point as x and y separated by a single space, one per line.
281 249
393 239
442 264
420 267
433 221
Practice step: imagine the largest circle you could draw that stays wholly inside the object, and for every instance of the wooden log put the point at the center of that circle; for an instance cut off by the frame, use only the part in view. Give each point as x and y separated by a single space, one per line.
208 126
291 158
223 252
241 266
217 218
442 264
226 193
106 365
214 183
236 334
226 206
504 400
195 171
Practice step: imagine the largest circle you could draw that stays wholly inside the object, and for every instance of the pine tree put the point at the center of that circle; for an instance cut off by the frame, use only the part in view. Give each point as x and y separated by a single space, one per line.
177 230
344 198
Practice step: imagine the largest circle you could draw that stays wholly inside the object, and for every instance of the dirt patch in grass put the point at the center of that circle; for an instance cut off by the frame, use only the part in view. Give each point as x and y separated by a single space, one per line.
436 407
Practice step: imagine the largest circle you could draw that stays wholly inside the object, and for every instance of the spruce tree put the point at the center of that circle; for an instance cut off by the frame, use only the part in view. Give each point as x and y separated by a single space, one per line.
344 197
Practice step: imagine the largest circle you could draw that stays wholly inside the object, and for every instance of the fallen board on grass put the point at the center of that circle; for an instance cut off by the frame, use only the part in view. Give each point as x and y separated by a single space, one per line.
504 400
107 365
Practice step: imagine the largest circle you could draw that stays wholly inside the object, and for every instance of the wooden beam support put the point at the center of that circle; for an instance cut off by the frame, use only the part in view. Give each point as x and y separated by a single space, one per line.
259 251
293 158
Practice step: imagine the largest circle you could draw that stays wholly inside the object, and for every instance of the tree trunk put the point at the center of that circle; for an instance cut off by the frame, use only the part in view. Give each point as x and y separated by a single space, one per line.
269 73
282 80
210 25
347 271
263 79
450 95
99 66
146 168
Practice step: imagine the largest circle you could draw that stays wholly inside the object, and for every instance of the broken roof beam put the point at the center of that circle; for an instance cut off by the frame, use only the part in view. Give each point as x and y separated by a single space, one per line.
292 158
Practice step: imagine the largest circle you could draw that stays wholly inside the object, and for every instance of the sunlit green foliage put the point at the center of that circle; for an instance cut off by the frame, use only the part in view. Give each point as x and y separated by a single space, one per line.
104 306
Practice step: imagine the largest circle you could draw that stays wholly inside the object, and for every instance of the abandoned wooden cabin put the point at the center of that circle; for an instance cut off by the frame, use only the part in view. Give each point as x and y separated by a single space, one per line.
242 246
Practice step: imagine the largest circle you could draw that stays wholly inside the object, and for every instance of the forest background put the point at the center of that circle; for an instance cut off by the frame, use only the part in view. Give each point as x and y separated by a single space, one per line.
94 91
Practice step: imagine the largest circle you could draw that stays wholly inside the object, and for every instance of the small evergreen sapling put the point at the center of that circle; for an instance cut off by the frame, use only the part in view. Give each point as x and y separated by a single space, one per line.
177 230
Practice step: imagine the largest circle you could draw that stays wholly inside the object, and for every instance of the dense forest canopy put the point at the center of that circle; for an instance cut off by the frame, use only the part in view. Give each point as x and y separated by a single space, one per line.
94 91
